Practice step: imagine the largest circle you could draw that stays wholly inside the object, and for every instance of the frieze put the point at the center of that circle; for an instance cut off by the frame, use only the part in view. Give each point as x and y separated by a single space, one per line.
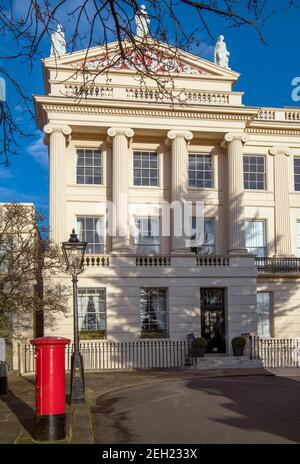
152 61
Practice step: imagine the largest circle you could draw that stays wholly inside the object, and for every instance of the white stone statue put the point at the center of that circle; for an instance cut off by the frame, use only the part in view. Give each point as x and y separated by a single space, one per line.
221 53
142 22
58 42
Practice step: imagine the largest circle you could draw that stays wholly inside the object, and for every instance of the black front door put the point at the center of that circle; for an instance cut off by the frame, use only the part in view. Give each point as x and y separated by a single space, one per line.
213 319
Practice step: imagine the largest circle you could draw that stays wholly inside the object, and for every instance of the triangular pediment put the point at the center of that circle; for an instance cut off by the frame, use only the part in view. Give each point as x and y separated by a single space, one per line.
156 57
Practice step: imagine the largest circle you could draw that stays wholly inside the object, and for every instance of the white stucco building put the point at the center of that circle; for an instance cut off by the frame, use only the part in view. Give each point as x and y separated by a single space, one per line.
123 138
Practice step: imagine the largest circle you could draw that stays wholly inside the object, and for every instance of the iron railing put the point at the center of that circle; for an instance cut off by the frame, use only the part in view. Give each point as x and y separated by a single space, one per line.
102 355
275 352
279 265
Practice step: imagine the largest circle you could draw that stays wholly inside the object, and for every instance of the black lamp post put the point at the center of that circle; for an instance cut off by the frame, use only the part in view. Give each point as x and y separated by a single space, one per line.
74 251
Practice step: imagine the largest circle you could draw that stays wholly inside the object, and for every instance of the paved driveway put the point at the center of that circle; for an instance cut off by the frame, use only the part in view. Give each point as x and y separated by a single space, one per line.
256 409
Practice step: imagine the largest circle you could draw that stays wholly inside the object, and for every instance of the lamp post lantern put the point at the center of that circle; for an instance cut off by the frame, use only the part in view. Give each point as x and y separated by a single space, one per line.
74 251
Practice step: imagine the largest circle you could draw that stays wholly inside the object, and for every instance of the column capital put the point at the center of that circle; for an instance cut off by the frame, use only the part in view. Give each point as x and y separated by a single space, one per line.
113 131
280 151
174 134
230 137
64 128
61 128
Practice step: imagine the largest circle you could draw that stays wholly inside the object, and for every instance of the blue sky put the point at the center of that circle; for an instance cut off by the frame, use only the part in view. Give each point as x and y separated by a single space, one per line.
266 75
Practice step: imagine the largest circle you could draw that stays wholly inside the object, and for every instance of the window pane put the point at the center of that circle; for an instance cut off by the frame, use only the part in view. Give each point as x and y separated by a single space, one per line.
254 172
86 172
92 312
200 171
255 237
145 169
147 235
153 312
208 228
264 314
91 230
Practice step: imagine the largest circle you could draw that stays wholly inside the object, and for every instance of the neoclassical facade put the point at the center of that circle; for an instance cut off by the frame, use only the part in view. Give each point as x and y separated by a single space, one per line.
114 139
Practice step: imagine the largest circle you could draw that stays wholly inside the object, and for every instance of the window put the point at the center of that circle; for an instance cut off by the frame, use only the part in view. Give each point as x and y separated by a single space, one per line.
92 312
298 238
297 174
200 171
154 312
89 166
254 172
6 250
146 235
145 168
90 230
208 246
255 237
264 314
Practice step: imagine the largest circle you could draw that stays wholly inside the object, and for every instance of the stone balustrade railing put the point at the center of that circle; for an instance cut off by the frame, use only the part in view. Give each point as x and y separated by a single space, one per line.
96 261
92 91
150 95
284 115
213 260
153 261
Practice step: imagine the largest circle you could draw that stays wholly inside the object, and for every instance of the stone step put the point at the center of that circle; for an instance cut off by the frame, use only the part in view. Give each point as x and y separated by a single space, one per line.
226 362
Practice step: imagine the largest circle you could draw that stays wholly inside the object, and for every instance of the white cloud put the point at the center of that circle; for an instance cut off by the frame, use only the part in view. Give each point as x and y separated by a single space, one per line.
39 152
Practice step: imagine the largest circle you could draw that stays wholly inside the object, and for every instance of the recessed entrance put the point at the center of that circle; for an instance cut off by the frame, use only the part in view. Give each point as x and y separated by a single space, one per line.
213 319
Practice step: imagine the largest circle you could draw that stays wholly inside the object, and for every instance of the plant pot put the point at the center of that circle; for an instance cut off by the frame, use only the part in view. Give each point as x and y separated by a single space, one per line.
199 352
238 350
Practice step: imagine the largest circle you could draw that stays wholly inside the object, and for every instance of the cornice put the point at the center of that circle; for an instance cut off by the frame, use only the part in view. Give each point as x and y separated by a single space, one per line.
145 112
272 131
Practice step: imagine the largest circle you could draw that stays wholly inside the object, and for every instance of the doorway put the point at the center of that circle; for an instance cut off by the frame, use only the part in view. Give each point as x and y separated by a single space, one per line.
212 301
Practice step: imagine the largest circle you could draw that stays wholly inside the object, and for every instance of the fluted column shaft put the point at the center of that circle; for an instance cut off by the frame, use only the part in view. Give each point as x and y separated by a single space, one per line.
283 242
179 186
57 148
235 192
120 138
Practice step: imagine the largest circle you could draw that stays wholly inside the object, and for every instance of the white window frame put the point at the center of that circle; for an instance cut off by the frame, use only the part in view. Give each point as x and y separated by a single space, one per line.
209 248
83 236
101 315
92 166
144 246
264 247
201 155
296 175
265 317
256 173
166 300
148 169
298 238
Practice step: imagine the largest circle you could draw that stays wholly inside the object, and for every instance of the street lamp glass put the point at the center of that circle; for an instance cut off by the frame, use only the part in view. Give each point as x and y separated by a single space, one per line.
74 251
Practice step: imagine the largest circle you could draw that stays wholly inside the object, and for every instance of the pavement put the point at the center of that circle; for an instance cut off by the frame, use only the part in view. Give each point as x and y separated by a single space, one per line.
168 406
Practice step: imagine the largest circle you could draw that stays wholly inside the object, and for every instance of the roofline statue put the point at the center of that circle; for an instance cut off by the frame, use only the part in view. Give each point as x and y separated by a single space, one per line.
58 42
221 55
142 22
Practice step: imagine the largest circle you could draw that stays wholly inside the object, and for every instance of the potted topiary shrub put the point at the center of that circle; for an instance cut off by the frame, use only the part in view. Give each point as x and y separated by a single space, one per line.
238 345
199 347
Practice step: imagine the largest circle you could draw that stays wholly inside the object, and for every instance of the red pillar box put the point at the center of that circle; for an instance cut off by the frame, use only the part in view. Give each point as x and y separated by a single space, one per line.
50 393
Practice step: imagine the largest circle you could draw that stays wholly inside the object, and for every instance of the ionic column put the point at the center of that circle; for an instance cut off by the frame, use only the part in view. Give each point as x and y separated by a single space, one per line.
283 242
235 192
179 185
120 146
57 138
